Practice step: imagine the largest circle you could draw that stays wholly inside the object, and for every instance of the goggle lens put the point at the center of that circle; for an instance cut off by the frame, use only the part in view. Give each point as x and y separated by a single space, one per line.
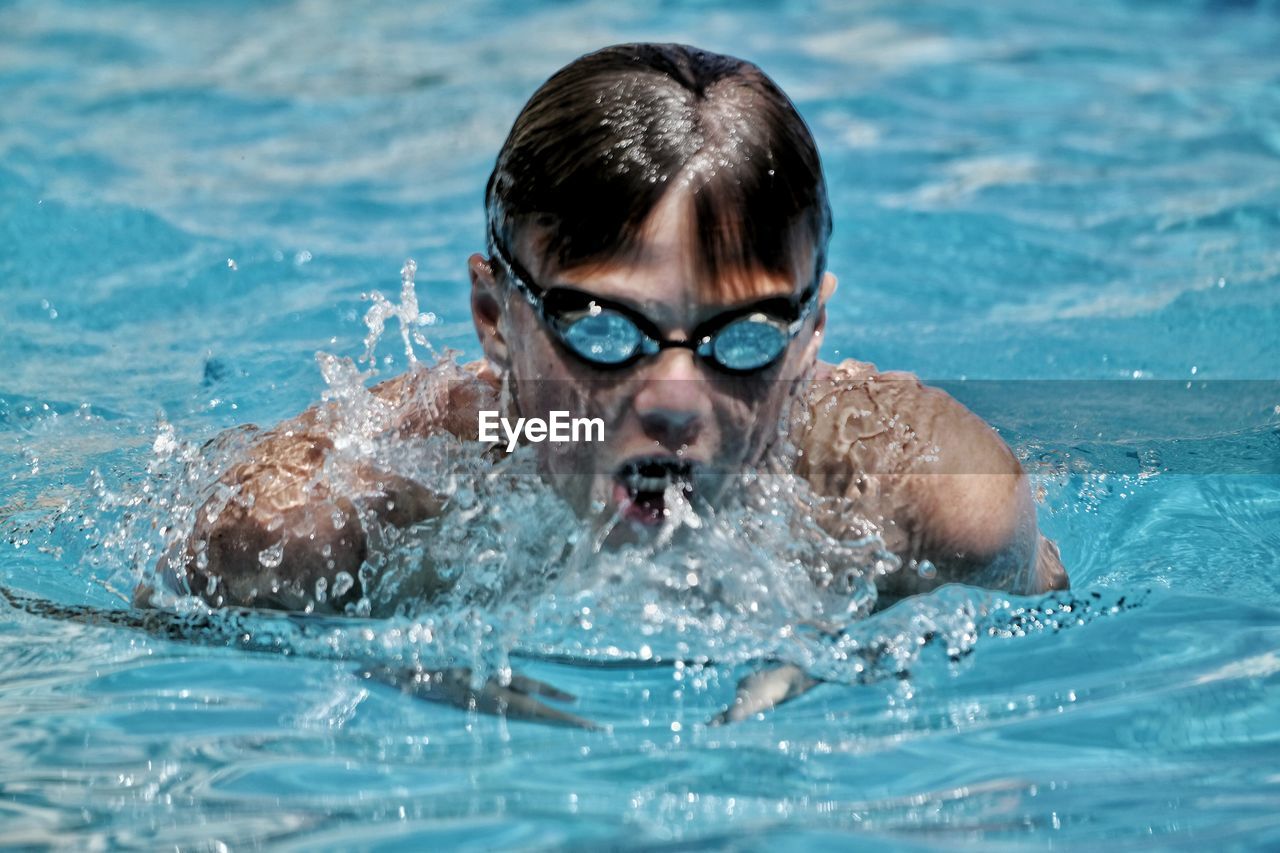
749 344
609 338
605 337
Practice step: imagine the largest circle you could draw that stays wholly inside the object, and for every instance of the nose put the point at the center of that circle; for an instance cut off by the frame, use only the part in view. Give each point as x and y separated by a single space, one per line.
672 428
673 403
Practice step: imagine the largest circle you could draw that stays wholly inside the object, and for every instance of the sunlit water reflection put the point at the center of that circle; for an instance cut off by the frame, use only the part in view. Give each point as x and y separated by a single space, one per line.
193 206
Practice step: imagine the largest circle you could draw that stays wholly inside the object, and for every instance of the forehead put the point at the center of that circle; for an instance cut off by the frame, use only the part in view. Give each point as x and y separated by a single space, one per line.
663 270
665 291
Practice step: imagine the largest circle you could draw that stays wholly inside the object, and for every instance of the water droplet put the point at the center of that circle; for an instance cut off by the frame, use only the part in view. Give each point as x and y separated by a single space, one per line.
272 556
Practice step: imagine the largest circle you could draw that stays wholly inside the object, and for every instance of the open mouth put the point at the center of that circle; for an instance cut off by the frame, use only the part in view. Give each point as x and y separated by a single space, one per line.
642 488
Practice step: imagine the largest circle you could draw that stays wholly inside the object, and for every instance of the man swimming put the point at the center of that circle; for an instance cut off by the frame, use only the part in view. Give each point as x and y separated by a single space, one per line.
657 233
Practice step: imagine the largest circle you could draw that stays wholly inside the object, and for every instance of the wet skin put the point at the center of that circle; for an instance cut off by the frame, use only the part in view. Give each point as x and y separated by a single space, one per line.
669 407
937 481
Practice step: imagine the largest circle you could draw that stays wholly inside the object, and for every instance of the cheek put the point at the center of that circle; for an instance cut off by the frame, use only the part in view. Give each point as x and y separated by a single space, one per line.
749 412
547 379
541 380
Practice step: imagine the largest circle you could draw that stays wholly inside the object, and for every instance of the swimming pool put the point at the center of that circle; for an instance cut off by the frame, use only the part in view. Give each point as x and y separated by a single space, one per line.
1067 213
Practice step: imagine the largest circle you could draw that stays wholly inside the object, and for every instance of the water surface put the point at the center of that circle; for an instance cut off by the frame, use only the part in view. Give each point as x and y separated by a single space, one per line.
1065 212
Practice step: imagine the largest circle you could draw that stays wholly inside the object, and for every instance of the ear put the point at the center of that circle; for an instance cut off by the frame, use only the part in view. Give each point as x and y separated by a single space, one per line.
825 290
828 287
486 311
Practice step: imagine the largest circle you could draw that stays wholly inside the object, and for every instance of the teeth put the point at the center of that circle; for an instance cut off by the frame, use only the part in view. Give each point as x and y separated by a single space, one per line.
648 484
654 475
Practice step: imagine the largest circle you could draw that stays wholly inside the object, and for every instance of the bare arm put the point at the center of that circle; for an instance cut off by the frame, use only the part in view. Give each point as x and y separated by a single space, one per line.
944 488
967 506
940 482
286 523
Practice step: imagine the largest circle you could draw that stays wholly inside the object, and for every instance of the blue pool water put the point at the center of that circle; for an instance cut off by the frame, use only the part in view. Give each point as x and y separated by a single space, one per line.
1067 213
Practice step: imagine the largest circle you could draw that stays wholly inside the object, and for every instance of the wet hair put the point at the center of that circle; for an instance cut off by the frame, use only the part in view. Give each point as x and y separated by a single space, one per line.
602 142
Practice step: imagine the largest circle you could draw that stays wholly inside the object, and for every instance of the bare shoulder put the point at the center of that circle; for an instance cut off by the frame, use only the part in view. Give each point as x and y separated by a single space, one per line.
444 396
286 516
939 480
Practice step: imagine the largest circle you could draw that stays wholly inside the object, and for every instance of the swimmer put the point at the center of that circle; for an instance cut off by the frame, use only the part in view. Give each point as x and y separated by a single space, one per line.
656 254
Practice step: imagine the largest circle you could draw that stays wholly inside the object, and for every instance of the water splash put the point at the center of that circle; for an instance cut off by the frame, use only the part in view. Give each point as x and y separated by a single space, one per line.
405 311
505 567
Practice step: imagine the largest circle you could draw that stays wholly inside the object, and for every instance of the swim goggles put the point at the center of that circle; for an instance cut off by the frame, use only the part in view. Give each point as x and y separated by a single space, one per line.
608 335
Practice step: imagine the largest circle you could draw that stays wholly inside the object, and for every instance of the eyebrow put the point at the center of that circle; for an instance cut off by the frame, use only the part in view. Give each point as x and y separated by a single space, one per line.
639 308
648 308
702 317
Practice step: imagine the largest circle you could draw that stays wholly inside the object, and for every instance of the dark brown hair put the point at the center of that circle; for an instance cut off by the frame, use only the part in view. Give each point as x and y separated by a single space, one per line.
599 144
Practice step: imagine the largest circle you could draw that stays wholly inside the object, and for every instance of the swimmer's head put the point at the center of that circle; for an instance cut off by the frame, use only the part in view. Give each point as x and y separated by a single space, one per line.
615 133
658 224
